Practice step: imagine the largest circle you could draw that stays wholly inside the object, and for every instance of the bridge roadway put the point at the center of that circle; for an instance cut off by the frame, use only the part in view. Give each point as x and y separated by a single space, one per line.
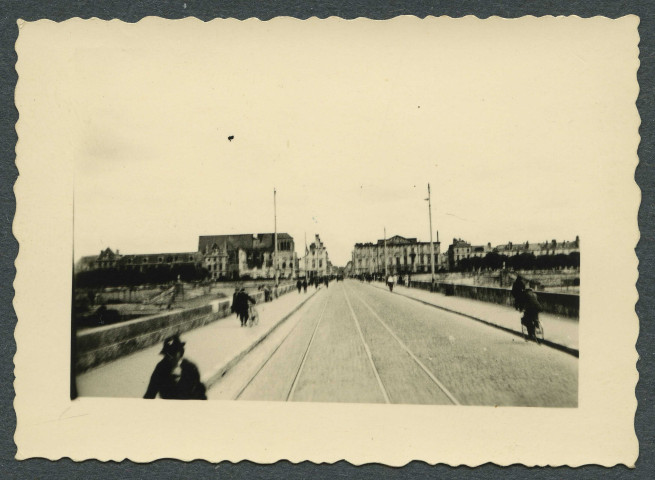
356 343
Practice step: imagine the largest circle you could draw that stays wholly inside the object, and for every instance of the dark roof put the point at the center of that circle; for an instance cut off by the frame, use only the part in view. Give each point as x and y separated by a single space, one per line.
245 241
397 240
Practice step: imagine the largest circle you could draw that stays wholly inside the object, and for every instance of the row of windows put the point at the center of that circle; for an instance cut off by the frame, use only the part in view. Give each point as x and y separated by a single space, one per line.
425 258
284 245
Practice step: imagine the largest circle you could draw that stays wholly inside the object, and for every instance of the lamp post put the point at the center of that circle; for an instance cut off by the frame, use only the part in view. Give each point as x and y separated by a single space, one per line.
429 199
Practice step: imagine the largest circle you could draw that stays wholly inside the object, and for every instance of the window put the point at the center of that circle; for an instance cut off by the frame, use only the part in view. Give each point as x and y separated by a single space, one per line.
320 263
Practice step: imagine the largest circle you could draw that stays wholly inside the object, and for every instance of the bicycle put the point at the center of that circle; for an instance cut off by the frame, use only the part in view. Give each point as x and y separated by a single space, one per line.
538 331
253 316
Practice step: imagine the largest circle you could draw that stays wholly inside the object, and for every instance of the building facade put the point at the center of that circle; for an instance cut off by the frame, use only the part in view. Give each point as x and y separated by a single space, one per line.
403 255
460 249
316 262
108 259
552 247
247 255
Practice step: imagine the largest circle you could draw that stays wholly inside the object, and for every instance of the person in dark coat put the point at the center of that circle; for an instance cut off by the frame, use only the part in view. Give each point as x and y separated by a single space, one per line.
298 285
174 377
241 304
518 292
531 315
304 285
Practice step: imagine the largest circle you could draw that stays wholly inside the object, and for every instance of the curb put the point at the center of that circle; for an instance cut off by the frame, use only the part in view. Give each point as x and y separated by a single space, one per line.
210 379
557 346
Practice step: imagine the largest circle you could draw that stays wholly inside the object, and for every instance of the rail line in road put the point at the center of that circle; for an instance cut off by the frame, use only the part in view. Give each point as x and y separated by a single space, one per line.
299 371
432 377
304 356
368 350
261 367
350 348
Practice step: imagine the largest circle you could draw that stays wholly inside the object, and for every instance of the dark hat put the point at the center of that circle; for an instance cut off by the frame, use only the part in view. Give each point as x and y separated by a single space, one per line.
173 344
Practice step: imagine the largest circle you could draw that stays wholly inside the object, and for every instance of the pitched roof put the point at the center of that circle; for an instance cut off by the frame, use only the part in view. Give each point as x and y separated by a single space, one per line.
397 240
245 241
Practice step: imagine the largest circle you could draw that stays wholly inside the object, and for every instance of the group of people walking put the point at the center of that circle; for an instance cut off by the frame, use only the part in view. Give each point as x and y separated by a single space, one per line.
302 283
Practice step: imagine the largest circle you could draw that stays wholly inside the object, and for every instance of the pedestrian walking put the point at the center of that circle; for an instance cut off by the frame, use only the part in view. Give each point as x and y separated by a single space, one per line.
241 304
175 377
299 285
304 285
390 282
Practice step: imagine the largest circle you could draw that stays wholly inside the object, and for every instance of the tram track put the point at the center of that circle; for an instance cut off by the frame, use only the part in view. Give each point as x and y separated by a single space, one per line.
374 369
355 347
429 374
274 351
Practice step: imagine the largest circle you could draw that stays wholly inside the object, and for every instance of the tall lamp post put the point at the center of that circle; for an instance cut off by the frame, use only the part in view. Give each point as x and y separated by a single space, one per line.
429 199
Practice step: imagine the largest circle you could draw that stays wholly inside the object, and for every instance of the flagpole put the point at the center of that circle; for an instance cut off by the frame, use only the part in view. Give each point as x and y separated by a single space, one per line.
431 244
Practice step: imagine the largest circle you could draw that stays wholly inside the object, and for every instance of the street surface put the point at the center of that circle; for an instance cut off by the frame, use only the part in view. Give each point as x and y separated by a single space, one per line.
353 342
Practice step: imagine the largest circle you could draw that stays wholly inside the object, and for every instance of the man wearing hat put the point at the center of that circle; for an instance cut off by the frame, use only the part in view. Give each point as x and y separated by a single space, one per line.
175 377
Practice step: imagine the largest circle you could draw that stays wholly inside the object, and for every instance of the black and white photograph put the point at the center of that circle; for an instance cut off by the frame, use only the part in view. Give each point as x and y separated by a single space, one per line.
410 218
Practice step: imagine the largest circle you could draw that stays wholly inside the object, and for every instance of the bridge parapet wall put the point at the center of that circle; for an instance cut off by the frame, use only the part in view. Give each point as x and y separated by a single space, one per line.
565 304
104 344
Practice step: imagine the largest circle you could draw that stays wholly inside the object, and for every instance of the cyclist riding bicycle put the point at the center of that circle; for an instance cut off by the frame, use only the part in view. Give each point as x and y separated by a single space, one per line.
531 309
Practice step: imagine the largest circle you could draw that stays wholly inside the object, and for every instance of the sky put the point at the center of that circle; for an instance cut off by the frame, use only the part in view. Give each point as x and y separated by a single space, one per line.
348 121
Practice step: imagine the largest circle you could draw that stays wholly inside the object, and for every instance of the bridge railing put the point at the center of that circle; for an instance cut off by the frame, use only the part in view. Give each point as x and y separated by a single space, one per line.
96 346
565 304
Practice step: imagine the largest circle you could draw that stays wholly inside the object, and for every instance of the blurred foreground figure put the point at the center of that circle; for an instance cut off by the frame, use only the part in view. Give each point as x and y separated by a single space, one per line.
175 378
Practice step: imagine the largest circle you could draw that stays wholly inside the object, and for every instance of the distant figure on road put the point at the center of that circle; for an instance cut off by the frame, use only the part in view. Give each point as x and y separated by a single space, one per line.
298 285
171 301
518 292
174 377
326 280
531 315
304 285
390 282
241 305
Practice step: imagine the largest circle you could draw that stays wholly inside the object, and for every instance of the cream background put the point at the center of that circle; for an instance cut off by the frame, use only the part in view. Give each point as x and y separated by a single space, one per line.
51 96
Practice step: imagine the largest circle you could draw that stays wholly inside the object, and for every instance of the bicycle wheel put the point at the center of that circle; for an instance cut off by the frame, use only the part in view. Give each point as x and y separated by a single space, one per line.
524 331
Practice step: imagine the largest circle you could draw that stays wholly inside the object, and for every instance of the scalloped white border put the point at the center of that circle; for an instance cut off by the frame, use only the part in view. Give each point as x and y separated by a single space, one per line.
49 425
